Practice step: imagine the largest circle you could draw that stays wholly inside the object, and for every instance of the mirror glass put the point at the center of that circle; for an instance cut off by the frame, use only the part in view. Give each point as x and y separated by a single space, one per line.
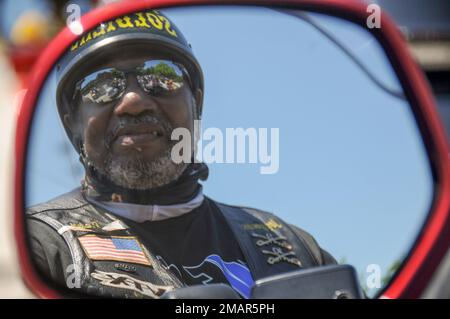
303 116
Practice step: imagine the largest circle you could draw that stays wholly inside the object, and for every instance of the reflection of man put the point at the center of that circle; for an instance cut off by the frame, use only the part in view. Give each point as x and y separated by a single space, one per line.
140 224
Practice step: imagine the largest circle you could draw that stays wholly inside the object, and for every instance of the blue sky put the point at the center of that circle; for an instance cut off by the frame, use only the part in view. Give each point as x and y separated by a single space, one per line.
353 170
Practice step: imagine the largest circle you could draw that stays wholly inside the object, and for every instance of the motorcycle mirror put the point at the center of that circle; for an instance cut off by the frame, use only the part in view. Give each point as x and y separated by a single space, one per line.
312 110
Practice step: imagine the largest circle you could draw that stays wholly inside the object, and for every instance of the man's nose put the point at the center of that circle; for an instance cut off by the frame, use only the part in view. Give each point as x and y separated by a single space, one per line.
134 102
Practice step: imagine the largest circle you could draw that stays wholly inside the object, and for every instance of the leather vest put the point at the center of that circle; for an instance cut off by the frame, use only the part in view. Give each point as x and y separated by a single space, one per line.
110 260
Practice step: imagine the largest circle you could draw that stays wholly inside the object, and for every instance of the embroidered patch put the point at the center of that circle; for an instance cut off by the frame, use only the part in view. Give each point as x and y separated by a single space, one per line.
91 225
125 267
278 255
271 239
273 225
254 227
126 249
122 281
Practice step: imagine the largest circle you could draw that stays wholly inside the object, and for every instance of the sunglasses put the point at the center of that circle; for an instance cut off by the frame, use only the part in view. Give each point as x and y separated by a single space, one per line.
155 77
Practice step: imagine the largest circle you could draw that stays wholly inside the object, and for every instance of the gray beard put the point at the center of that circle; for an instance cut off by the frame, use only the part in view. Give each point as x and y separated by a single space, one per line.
139 174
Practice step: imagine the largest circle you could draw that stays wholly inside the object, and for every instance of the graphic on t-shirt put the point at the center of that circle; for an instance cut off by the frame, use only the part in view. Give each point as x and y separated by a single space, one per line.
237 274
171 267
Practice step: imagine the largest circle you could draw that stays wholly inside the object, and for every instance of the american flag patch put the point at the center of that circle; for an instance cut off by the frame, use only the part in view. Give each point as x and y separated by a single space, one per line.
127 249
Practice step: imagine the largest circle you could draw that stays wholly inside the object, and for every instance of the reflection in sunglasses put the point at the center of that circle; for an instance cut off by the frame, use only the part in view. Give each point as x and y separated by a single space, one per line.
155 77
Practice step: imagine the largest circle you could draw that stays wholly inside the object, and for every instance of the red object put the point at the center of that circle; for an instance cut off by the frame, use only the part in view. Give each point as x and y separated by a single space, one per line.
23 59
433 241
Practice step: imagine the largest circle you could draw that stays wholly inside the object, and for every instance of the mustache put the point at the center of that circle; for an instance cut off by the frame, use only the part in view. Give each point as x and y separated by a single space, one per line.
129 121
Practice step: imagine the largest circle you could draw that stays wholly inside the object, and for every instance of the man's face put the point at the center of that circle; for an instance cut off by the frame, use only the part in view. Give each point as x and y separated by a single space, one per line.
128 140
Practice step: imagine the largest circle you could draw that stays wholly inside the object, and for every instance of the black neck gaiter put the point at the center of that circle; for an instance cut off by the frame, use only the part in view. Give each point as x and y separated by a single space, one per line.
181 190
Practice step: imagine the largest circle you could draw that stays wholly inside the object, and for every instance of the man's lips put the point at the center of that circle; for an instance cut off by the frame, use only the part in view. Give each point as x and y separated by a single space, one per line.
138 134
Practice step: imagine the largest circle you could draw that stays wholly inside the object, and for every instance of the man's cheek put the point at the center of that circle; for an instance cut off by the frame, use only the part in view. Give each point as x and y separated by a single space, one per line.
95 139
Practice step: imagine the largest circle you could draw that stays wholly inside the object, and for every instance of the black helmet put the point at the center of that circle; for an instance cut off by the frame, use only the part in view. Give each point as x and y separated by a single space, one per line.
124 34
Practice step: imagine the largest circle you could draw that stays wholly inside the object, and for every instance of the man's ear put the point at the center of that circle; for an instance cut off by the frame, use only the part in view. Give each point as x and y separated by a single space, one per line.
198 97
68 122
69 116
71 124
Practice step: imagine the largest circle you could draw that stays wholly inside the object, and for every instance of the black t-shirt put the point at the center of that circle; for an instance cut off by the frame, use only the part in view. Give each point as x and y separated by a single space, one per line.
198 247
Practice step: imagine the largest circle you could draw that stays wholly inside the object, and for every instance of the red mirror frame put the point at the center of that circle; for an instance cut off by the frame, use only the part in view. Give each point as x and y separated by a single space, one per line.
434 239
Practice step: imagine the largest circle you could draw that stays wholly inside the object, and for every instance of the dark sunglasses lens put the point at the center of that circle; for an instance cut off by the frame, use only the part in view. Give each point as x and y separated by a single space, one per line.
160 76
103 86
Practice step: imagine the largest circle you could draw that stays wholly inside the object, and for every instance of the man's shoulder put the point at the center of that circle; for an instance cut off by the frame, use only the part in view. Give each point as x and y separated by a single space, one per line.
273 222
68 210
67 201
248 209
271 218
